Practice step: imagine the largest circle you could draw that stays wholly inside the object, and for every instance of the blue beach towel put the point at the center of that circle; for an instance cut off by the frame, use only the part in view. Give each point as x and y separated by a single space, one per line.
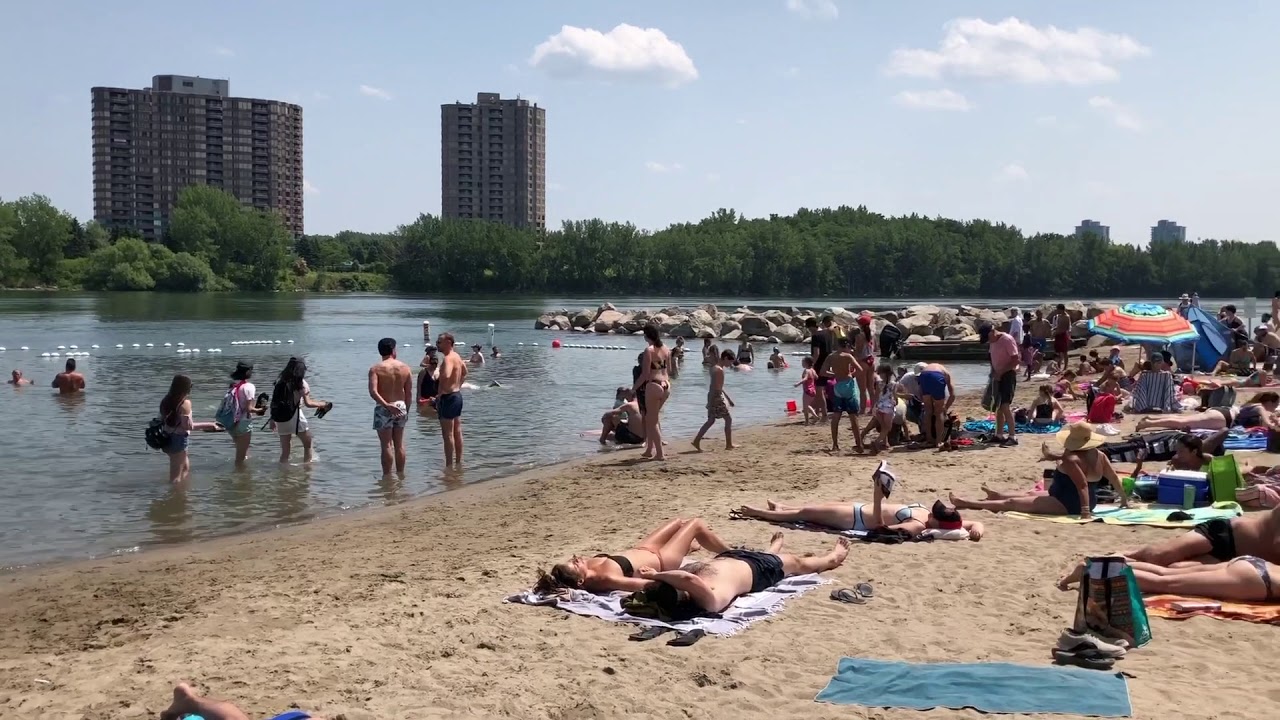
989 426
1241 439
985 687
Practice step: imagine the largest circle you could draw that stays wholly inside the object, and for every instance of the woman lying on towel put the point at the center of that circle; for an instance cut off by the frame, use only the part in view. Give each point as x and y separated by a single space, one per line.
1074 487
1259 413
664 549
842 515
1244 579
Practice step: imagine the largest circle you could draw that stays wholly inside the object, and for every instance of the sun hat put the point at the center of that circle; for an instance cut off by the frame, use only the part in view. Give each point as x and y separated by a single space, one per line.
1079 436
919 367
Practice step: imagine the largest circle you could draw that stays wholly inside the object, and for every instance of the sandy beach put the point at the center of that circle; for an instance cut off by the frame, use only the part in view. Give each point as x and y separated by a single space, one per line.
398 613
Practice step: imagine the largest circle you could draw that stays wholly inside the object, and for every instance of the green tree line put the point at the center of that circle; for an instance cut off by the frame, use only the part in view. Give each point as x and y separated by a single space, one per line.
214 243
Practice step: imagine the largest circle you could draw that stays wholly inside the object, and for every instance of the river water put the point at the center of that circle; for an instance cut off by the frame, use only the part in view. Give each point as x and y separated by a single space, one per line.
78 481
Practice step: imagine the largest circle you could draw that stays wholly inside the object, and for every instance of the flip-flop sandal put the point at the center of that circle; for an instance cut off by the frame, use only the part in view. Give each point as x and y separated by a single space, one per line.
649 633
688 638
845 595
865 590
1084 660
735 515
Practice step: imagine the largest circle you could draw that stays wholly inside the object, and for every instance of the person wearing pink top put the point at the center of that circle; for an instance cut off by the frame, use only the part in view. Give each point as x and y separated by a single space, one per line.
1005 358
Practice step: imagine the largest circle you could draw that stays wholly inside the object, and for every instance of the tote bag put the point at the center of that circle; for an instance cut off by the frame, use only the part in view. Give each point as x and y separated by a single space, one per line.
1110 603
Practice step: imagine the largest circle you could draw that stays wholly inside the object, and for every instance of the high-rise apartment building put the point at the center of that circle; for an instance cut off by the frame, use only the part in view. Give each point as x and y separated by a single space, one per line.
151 143
1168 231
1093 227
493 156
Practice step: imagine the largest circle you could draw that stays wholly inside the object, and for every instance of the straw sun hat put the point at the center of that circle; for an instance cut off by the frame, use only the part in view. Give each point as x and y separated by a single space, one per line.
1079 436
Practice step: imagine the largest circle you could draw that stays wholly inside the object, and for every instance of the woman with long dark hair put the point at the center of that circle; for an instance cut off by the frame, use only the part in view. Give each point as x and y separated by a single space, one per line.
864 349
175 418
654 385
289 396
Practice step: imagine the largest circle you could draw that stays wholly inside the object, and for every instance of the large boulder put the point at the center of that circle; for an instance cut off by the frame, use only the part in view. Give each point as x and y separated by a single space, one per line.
709 309
706 332
889 316
969 311
945 317
1076 310
1096 309
757 339
955 332
666 323
701 318
928 339
788 334
777 317
915 325
560 322
582 318
917 310
732 335
995 318
1080 329
543 322
684 329
753 324
607 320
726 326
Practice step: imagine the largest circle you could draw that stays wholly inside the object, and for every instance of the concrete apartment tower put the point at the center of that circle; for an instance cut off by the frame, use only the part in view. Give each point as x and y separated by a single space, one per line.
1167 231
493 157
151 143
1093 227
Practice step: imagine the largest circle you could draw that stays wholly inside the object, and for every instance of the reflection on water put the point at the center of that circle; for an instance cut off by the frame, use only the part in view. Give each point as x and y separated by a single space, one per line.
77 478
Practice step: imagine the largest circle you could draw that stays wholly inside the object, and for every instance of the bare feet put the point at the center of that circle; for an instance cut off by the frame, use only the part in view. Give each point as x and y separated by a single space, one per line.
697 444
1073 576
991 494
775 543
187 702
730 447
748 511
840 552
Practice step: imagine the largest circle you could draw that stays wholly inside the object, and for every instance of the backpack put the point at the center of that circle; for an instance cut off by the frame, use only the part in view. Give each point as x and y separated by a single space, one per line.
284 402
156 435
1221 397
229 410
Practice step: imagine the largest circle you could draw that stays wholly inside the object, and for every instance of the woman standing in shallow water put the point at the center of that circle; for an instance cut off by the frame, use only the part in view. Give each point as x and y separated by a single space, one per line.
175 417
654 385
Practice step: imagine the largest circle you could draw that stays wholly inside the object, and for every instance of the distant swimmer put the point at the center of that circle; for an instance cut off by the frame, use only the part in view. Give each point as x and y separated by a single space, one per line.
391 387
453 372
496 353
17 380
69 382
477 355
777 361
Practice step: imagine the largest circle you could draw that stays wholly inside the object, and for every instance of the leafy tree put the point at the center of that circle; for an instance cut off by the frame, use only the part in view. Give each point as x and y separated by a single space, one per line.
40 235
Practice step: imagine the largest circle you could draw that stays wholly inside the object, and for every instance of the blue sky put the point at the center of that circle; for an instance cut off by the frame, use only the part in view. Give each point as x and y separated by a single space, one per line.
1037 114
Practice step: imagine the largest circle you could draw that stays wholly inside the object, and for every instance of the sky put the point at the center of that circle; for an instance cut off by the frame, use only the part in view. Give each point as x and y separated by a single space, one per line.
1038 114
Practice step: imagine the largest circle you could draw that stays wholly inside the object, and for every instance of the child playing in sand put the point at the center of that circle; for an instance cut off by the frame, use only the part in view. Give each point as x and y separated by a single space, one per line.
1030 356
886 405
814 407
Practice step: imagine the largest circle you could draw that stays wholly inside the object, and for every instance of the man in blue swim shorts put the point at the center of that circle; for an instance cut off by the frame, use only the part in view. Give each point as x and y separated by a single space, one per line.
842 367
938 394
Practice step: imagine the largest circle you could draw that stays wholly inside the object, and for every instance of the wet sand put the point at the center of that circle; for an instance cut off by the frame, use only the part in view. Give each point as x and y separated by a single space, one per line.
398 613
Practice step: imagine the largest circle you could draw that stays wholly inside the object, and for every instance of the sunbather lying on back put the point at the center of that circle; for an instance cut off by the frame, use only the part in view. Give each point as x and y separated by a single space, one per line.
1243 579
843 515
711 587
664 549
187 703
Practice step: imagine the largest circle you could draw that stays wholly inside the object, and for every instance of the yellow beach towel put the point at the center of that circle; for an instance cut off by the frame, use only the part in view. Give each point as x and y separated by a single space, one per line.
1136 514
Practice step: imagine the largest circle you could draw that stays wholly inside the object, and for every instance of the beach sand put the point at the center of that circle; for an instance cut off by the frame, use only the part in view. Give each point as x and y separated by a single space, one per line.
398 613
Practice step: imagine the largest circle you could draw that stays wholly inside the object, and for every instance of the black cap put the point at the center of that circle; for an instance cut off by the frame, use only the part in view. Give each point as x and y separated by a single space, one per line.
242 371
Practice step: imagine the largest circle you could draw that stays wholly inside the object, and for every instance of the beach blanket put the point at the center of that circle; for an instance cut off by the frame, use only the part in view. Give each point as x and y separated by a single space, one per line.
1241 439
743 612
1137 514
989 426
1160 606
986 687
870 536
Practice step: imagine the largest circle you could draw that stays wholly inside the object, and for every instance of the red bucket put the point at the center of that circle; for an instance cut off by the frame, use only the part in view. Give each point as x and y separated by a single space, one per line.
791 406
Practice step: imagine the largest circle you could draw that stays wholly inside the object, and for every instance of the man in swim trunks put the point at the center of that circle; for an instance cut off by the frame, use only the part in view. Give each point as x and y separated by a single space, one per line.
842 368
1061 333
17 380
718 404
391 387
187 703
1005 359
453 372
710 587
625 421
938 394
69 382
1040 330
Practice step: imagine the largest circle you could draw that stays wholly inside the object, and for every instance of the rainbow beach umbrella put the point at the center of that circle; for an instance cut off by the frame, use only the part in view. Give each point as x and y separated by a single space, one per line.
1144 323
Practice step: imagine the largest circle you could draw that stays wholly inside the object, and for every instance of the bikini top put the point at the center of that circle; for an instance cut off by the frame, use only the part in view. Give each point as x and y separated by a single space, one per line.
1044 411
628 570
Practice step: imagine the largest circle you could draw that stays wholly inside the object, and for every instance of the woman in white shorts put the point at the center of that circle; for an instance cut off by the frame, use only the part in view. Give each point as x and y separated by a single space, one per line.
288 399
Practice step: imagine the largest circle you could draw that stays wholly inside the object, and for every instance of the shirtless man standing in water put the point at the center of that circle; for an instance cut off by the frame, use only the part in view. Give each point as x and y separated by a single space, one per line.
391 387
453 372
69 381
844 369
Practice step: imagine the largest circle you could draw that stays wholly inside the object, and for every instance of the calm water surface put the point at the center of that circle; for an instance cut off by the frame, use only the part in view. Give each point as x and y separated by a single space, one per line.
78 480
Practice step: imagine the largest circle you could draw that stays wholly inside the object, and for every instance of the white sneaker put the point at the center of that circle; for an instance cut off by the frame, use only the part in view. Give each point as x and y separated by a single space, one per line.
1072 641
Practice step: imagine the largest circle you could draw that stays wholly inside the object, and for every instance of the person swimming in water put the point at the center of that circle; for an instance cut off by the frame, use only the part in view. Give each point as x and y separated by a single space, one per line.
390 387
16 379
477 355
777 361
69 382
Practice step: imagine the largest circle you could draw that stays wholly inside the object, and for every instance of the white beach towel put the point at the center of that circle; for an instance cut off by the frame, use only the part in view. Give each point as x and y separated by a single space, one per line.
743 612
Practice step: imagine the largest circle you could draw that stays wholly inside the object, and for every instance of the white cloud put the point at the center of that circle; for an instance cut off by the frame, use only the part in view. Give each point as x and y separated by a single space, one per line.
713 177
933 100
1013 172
821 9
1122 116
657 167
625 52
224 51
308 188
374 92
1015 50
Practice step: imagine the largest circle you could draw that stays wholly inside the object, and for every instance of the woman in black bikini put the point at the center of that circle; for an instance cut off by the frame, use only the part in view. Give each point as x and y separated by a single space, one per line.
664 549
654 386
1046 409
1259 413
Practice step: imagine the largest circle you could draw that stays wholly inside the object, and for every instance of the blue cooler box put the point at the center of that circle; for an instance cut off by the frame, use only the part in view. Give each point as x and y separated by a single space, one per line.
1169 487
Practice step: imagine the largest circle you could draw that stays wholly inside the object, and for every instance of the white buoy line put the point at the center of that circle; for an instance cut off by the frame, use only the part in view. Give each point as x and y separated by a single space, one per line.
579 346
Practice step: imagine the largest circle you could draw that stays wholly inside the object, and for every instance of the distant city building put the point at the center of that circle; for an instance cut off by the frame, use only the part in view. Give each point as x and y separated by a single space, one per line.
151 143
1168 231
493 156
1093 227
